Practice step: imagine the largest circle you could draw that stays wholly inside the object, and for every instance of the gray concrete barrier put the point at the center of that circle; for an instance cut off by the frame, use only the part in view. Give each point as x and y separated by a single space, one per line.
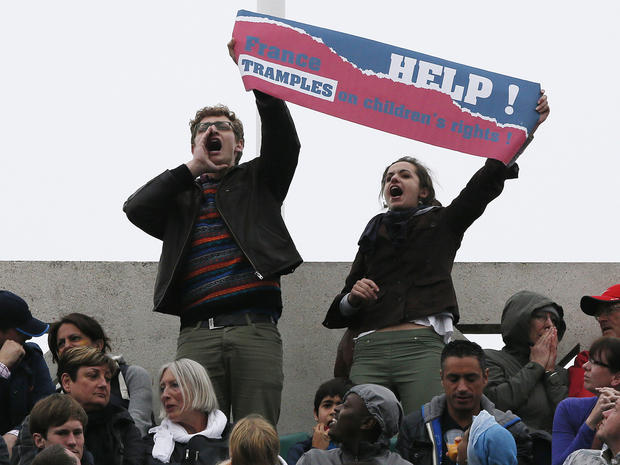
119 295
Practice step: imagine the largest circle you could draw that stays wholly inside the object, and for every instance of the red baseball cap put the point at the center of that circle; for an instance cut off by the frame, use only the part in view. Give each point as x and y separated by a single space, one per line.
589 303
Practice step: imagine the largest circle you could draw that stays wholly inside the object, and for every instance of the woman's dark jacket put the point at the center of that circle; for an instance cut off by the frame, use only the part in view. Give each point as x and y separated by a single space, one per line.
209 451
112 437
415 279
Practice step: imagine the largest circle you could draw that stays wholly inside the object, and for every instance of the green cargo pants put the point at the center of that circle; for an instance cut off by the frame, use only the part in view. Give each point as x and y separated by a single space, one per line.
244 364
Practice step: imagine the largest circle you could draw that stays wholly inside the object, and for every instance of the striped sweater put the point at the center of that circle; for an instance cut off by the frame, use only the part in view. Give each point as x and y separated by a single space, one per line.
216 277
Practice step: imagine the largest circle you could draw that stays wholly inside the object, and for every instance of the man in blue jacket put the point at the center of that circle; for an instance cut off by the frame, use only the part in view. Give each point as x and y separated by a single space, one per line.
24 377
424 434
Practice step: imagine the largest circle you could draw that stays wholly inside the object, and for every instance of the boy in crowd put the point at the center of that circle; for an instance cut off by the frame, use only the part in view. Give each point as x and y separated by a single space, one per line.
327 397
112 437
57 419
364 424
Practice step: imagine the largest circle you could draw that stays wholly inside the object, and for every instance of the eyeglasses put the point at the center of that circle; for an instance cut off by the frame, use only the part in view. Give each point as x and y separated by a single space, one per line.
543 316
219 125
594 361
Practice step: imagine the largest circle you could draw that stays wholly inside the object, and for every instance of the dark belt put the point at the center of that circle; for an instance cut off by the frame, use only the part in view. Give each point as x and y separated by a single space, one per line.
237 319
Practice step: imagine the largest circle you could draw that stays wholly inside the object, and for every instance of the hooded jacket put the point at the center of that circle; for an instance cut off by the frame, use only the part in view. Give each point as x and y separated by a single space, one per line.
516 383
489 443
385 408
421 438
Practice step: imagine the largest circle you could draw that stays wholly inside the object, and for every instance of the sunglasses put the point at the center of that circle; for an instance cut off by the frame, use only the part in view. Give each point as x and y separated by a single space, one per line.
219 125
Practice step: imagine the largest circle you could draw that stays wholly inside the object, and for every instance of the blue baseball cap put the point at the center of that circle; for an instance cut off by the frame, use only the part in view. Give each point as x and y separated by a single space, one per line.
14 313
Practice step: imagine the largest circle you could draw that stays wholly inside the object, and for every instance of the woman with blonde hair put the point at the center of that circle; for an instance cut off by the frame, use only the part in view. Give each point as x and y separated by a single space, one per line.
254 441
192 427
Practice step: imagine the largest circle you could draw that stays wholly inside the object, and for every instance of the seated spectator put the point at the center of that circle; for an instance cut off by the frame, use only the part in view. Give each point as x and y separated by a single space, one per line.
253 441
24 377
523 376
608 433
365 423
463 376
192 425
328 396
57 419
606 309
131 386
111 436
56 455
576 419
487 443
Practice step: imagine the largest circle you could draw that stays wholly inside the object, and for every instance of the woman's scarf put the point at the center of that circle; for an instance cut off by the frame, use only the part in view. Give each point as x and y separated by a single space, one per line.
169 433
395 223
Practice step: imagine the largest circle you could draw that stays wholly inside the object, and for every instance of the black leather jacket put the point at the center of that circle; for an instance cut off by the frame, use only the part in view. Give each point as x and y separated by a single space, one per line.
249 200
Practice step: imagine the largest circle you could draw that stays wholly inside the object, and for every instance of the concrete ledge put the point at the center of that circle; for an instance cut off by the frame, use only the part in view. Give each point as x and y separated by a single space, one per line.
119 295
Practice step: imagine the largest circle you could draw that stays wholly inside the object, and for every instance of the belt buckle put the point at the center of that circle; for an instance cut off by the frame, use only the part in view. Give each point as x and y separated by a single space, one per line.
212 324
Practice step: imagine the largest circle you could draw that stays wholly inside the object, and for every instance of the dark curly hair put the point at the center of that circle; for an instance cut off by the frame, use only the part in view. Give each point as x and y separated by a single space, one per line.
218 110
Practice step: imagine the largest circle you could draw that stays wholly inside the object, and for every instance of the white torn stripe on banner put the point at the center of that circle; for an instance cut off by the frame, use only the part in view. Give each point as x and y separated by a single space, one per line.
291 78
369 72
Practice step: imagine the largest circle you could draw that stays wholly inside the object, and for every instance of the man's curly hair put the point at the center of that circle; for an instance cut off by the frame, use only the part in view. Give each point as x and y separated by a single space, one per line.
218 110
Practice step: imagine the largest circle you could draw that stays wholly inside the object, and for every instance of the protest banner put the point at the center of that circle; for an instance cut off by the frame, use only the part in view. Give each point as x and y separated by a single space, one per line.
400 91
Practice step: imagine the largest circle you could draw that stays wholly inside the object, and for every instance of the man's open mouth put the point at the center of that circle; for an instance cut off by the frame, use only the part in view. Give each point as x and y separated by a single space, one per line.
214 145
396 191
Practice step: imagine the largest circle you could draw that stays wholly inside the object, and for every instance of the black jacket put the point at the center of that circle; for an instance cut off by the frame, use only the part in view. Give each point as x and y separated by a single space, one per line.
415 279
414 440
4 452
208 451
30 382
249 199
112 437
